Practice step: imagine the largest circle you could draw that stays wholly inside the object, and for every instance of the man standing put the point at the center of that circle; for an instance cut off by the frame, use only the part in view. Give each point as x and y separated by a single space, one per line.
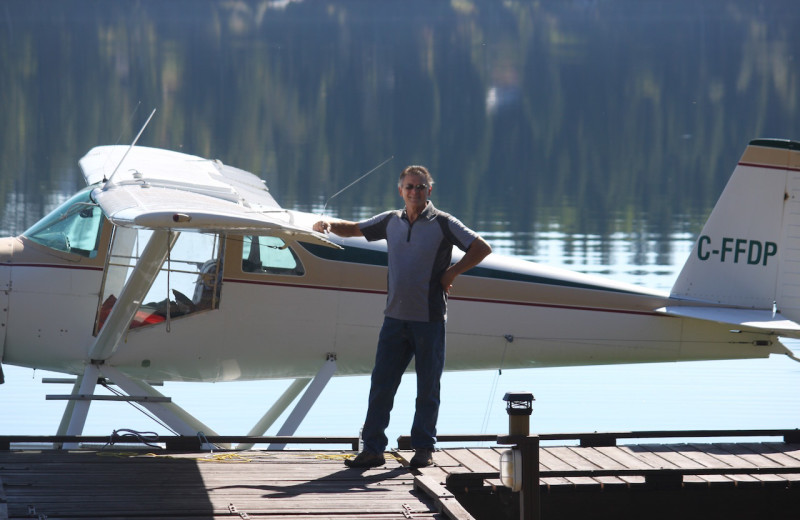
420 240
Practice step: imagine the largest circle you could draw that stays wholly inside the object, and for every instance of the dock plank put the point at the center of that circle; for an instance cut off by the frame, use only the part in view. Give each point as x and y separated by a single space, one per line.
562 458
601 460
698 456
444 460
678 458
623 456
548 461
745 453
702 460
470 461
732 460
790 450
772 452
625 460
572 457
443 464
649 454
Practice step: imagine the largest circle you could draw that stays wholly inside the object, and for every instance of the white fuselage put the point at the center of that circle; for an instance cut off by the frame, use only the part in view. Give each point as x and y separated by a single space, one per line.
506 313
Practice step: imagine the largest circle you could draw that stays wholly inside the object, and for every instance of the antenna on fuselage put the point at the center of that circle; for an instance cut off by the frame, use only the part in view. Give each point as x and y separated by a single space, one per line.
355 181
108 182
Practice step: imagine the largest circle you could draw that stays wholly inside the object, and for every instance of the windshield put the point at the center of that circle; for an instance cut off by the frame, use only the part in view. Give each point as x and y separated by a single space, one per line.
73 227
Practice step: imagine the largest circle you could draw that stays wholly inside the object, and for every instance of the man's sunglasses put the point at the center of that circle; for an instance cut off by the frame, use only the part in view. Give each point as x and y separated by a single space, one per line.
418 187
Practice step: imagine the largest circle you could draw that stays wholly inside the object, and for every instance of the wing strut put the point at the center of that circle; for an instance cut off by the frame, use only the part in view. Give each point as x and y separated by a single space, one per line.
130 298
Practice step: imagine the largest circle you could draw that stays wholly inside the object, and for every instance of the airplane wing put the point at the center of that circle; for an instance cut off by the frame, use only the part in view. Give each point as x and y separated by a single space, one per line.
161 189
749 318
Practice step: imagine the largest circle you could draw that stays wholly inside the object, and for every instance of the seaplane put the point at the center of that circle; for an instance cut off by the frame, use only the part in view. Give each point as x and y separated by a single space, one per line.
173 267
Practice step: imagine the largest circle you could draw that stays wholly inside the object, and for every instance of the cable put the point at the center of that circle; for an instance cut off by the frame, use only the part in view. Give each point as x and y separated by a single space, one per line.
140 408
146 438
509 339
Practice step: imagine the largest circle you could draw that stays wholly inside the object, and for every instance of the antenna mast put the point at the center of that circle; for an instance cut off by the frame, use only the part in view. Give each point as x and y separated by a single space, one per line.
108 183
355 181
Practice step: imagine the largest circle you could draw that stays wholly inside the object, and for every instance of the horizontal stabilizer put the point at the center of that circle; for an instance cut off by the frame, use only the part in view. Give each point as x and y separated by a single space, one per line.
747 318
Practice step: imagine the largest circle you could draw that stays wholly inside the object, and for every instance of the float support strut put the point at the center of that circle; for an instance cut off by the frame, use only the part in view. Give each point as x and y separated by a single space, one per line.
307 400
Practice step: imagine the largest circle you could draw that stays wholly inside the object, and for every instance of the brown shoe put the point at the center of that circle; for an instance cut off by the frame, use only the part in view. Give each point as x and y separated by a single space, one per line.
366 459
423 457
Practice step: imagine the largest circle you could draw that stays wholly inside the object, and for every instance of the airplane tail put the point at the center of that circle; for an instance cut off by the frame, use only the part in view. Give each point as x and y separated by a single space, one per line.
748 254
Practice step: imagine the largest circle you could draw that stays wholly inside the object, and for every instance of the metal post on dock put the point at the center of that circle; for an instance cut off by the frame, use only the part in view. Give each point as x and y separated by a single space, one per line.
519 466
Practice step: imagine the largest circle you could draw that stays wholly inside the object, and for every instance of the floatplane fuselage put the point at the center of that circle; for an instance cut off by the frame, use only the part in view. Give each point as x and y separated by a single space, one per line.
170 267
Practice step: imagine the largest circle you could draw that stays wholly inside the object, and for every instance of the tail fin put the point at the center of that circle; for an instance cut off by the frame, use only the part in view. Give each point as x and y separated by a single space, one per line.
748 254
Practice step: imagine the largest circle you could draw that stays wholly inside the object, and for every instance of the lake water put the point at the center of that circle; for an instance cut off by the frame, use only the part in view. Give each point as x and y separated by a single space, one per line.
592 135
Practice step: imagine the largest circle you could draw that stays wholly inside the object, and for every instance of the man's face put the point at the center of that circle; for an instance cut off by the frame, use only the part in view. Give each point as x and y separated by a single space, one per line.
415 191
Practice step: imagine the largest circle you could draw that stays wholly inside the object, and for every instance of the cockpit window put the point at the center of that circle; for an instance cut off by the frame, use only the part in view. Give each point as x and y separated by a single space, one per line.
269 255
74 227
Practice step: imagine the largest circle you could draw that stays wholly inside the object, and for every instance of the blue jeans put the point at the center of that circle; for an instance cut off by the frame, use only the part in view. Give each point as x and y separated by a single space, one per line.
398 342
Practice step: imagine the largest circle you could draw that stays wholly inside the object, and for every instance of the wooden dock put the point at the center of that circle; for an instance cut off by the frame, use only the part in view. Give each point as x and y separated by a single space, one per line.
598 479
592 479
296 485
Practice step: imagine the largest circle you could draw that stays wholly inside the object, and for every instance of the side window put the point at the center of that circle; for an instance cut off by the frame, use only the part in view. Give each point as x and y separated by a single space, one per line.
74 227
269 255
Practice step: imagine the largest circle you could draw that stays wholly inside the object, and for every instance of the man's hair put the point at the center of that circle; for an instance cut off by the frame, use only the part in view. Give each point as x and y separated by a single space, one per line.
416 170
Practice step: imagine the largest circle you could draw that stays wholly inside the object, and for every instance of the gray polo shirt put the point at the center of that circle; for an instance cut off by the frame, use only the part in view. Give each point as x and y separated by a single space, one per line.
419 254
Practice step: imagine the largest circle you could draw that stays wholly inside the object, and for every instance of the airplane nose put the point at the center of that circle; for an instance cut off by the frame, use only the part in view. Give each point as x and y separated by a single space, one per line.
6 253
7 249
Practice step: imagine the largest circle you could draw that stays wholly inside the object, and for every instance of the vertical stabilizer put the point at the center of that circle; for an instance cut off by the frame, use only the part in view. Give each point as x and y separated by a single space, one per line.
748 254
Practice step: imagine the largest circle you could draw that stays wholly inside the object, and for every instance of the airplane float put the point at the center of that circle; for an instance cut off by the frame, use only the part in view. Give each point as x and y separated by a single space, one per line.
171 267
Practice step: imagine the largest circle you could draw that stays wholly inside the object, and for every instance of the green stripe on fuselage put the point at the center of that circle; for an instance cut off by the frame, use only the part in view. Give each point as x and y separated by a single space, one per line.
357 255
783 144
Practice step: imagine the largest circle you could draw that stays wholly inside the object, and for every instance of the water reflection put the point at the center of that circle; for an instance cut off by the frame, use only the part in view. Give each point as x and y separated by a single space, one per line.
584 118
